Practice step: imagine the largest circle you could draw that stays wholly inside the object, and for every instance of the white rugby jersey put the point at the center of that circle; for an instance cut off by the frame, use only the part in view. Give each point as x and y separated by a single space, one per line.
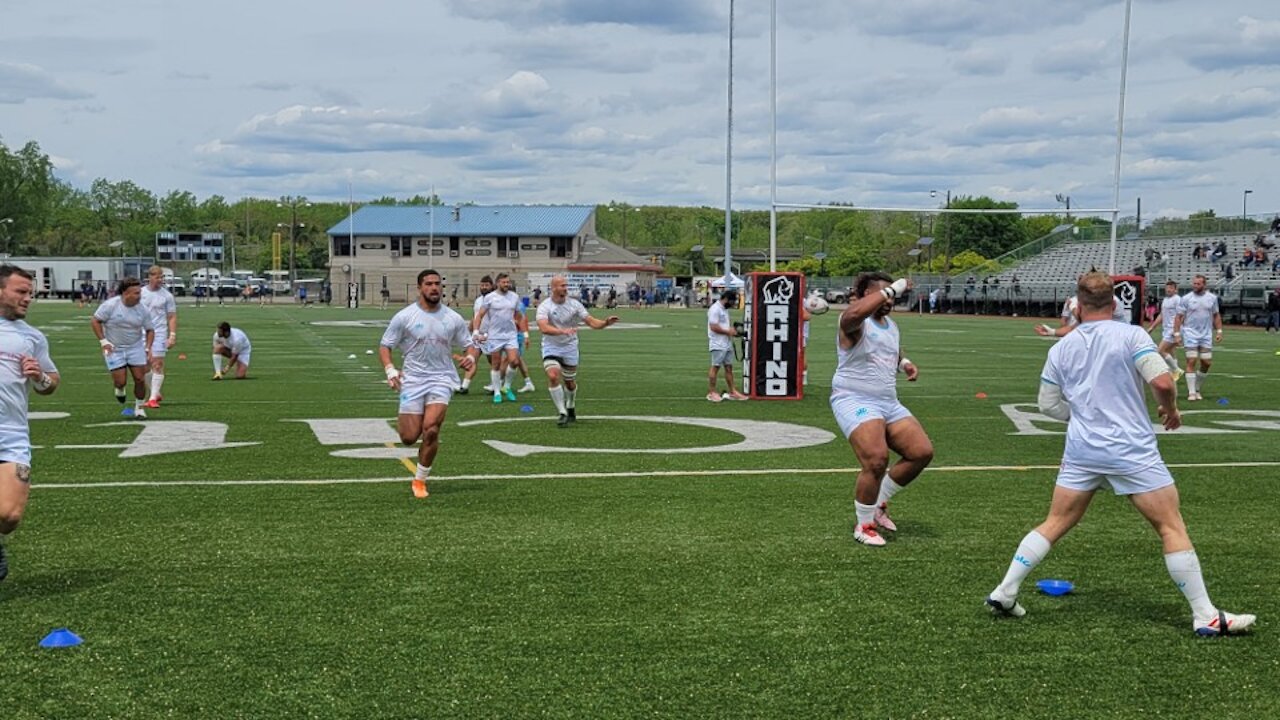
562 316
1118 314
238 343
160 304
18 339
1197 312
426 341
870 368
718 314
123 326
500 313
475 310
1170 308
1110 431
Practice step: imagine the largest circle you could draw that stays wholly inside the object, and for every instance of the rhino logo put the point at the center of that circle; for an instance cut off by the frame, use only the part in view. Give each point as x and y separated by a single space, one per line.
778 291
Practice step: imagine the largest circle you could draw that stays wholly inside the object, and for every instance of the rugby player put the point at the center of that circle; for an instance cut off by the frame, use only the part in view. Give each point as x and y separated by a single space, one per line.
126 333
1198 314
502 308
1167 314
233 344
486 287
158 301
559 317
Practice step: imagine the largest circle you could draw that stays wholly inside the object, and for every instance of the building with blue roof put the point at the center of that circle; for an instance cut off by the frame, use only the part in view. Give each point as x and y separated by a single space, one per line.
382 248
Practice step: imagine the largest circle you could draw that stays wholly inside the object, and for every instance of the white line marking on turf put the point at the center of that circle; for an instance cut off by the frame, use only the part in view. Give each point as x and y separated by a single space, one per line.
590 476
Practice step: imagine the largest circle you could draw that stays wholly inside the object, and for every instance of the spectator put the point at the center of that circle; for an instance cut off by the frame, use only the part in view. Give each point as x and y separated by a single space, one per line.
1197 252
1219 251
1266 242
1275 224
1017 286
302 295
537 295
595 296
1228 271
1273 309
326 293
613 297
1260 257
1248 257
1275 267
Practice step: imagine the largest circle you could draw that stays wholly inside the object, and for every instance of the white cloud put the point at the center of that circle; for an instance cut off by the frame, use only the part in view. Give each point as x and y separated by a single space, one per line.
20 82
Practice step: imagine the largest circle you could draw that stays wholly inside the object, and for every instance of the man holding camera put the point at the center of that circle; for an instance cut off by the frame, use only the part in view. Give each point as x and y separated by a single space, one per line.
720 331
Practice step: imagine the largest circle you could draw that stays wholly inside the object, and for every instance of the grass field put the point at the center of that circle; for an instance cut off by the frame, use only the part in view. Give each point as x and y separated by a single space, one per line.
576 584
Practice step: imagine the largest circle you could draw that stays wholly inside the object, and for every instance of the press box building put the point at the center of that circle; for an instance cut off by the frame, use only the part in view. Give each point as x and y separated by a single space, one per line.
384 246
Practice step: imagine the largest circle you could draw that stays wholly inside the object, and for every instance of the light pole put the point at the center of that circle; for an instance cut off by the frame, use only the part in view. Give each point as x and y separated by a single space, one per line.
623 209
1065 200
1244 211
292 203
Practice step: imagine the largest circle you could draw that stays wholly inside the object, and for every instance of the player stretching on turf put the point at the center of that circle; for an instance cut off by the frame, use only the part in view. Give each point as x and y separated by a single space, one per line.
864 398
24 358
125 332
158 301
1197 315
425 332
1168 315
1093 380
233 344
501 307
558 319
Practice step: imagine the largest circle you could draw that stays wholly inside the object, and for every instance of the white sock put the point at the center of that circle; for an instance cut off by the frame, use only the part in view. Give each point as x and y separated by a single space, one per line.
557 397
217 364
146 379
466 383
495 378
1184 568
888 488
1200 376
571 398
1172 362
1191 383
137 405
422 473
506 381
120 392
866 513
157 380
1031 551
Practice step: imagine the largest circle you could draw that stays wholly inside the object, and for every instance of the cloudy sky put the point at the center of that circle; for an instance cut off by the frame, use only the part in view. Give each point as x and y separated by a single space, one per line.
586 101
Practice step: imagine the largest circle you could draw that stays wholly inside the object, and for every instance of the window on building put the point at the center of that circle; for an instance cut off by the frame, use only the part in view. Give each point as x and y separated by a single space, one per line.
561 247
342 245
402 245
453 246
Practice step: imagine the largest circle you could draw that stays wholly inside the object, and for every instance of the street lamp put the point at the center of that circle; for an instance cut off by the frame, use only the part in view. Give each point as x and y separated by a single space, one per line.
292 203
1066 200
623 208
1244 211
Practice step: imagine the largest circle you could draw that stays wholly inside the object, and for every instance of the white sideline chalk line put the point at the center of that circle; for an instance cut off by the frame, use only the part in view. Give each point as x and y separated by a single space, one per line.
587 476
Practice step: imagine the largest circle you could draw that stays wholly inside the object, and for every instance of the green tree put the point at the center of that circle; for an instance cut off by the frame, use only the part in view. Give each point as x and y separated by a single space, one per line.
27 192
988 235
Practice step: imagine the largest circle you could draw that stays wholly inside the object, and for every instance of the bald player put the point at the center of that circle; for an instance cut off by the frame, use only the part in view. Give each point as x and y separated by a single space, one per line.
559 317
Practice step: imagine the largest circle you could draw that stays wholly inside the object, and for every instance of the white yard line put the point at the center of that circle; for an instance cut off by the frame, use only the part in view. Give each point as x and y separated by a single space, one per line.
588 476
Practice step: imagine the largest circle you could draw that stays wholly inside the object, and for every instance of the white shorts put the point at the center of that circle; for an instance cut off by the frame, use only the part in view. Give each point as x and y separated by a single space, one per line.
135 355
498 344
1166 337
1196 341
853 410
1153 478
159 345
721 358
416 396
563 358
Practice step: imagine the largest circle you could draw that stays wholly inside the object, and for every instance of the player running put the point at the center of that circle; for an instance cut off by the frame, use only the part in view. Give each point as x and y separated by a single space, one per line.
864 398
158 301
1167 314
559 317
233 344
1197 315
501 308
425 333
24 358
522 344
1093 381
125 331
486 287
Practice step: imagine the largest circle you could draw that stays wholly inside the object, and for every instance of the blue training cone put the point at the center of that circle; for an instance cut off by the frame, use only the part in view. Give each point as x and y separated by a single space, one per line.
61 637
1223 401
526 408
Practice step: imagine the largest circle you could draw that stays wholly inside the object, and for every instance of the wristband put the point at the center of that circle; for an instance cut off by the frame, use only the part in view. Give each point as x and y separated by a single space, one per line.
898 287
902 365
44 382
104 342
392 372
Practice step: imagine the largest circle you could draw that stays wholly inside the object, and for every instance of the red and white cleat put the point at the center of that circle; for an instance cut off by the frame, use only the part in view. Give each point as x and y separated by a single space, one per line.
883 521
867 535
1224 623
420 488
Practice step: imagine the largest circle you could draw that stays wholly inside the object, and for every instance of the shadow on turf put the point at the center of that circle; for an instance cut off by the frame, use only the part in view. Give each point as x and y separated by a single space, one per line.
50 584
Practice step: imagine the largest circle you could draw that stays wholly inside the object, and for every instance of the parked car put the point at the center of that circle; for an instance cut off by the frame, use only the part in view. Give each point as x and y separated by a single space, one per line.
176 286
229 288
838 295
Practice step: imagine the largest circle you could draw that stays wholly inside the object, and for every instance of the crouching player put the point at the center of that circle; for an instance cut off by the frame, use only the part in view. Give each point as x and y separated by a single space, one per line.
864 398
426 333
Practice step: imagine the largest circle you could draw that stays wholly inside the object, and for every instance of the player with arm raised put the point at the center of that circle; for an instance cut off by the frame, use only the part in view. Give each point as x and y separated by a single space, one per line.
1198 326
500 308
1093 380
425 333
864 399
125 331
559 317
1167 315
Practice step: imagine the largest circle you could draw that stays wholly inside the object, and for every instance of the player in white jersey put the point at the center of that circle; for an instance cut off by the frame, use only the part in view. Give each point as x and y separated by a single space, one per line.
720 332
486 287
559 317
158 301
1198 326
425 333
1070 319
522 344
231 343
1167 315
864 399
501 308
1093 380
126 333
24 358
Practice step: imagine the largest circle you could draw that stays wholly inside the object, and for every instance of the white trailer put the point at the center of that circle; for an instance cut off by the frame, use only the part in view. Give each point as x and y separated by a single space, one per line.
61 277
